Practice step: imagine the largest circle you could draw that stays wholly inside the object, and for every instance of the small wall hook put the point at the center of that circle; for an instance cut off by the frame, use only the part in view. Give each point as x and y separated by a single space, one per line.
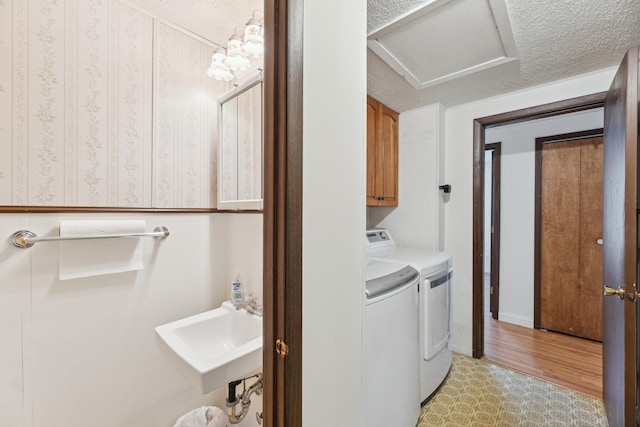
446 188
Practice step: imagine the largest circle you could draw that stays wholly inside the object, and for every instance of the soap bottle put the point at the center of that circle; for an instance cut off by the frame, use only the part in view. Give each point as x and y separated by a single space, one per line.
237 292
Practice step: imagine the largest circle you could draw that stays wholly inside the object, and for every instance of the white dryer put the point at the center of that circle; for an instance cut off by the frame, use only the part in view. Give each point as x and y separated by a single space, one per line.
435 269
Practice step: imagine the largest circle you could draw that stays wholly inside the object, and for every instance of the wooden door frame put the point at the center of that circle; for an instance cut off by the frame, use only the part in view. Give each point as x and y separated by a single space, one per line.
282 233
582 103
591 133
494 304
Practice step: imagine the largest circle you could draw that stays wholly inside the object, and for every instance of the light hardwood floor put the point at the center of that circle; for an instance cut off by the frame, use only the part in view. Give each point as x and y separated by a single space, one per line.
568 361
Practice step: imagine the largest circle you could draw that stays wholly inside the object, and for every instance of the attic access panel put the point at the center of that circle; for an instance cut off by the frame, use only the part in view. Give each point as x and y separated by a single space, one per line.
446 39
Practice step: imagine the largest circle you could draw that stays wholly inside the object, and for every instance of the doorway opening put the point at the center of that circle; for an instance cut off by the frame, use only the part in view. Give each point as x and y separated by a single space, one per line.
508 310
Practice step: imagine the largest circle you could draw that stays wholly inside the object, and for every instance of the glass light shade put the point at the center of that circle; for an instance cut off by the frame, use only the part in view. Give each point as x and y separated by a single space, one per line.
236 59
234 46
238 63
253 40
220 74
218 69
219 56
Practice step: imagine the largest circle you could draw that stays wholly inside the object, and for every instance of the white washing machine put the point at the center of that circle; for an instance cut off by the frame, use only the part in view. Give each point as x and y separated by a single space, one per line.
435 269
392 386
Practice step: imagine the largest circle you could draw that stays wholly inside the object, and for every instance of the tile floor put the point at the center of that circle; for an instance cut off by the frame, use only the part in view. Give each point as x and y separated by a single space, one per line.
477 393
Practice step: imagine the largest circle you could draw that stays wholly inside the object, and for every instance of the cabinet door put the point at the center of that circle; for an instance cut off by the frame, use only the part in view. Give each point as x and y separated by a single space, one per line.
372 149
388 156
249 145
382 155
240 152
227 163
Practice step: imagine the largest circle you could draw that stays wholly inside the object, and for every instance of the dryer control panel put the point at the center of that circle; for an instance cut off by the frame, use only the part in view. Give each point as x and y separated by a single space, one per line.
378 238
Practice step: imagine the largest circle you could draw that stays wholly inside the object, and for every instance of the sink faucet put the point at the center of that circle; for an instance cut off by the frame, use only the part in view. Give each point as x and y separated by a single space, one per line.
250 305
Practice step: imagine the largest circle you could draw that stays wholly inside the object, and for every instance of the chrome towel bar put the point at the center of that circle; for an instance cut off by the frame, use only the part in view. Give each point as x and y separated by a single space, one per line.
25 238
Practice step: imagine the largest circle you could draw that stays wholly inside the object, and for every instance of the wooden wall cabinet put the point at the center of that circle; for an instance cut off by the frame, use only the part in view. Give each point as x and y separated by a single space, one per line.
382 155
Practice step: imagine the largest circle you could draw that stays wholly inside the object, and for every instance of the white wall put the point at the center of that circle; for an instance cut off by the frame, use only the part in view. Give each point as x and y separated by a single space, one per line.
333 212
83 351
417 220
459 163
517 228
243 247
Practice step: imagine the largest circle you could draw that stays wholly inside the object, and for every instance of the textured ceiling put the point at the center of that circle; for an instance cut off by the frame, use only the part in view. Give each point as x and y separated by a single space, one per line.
214 20
555 39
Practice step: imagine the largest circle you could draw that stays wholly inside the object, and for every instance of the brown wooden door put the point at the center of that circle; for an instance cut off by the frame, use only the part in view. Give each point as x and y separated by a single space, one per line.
590 284
570 230
620 243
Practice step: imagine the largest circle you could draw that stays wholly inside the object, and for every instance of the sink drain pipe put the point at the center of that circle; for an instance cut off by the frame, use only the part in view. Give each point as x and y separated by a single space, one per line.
244 400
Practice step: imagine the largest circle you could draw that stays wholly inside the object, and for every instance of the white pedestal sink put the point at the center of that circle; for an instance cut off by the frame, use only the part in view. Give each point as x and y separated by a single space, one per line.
213 348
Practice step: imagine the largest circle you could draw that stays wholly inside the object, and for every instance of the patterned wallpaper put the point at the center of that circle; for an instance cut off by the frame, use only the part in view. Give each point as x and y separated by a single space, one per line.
101 105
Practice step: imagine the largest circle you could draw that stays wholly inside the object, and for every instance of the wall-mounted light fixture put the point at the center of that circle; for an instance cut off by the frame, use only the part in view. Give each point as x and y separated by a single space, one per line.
233 55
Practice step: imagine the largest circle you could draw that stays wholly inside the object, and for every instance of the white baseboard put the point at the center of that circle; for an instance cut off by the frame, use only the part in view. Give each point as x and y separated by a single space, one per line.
516 319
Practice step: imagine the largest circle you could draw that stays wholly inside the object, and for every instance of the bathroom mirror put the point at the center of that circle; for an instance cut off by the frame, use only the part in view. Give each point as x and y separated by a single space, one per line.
240 150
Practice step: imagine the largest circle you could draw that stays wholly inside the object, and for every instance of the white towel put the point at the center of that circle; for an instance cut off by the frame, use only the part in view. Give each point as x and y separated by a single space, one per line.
205 416
84 258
